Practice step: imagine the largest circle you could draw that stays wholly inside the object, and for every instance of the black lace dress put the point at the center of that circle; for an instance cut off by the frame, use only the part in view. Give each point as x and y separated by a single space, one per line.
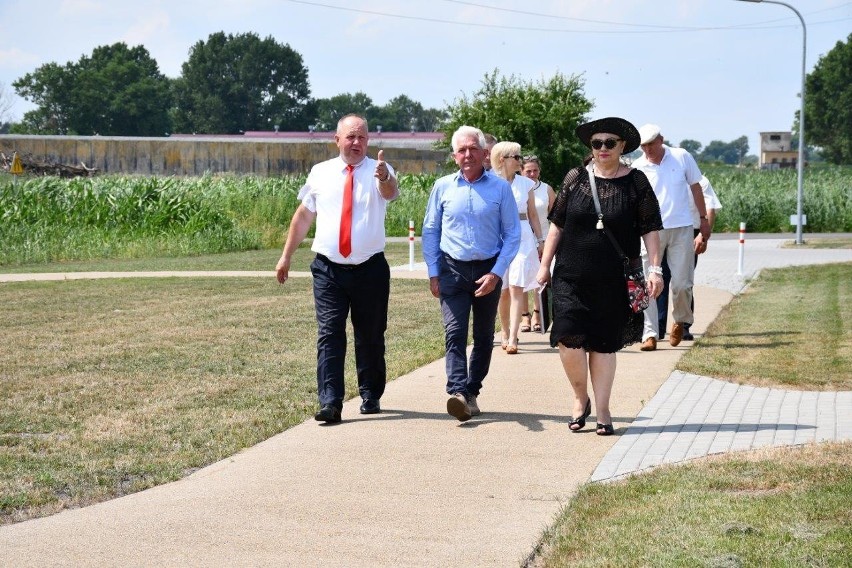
590 308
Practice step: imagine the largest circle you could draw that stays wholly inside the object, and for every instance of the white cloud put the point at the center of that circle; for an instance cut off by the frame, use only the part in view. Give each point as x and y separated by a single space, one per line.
16 59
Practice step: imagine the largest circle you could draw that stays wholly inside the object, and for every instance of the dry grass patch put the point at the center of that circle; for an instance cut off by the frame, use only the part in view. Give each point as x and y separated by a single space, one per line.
112 386
791 328
772 507
822 243
396 253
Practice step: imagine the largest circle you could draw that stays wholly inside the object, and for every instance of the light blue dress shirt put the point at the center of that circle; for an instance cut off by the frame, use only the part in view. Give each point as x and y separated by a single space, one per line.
471 221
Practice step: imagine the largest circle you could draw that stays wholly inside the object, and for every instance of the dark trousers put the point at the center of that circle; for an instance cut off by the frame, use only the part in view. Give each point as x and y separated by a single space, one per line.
457 280
364 289
663 298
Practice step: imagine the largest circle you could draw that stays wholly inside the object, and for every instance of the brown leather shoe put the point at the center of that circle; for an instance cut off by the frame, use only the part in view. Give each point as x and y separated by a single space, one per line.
676 335
649 344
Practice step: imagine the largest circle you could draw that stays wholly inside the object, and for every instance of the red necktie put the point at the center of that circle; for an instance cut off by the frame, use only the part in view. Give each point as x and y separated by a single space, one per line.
345 240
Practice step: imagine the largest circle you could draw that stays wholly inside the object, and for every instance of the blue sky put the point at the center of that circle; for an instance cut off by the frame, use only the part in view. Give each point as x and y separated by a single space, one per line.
702 69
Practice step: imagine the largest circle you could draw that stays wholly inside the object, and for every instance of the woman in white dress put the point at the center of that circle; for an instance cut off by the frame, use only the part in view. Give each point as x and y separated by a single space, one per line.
544 197
520 277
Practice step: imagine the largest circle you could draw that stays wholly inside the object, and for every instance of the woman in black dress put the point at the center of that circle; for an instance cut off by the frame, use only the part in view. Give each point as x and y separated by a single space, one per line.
591 316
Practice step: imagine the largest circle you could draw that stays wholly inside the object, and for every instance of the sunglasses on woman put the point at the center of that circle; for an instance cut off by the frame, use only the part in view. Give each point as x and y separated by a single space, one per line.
609 143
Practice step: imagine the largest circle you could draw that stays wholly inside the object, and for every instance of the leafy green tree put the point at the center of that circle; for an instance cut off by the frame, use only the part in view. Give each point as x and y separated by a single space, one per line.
233 83
432 119
402 114
49 88
741 146
329 111
117 91
727 152
541 116
828 104
399 115
691 146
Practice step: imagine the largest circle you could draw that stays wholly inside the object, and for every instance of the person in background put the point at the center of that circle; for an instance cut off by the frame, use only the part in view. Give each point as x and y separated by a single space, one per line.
674 175
592 319
544 196
471 232
490 140
521 274
347 196
711 200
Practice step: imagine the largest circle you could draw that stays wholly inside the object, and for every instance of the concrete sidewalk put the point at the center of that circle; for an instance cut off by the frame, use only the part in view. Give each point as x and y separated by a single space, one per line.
414 487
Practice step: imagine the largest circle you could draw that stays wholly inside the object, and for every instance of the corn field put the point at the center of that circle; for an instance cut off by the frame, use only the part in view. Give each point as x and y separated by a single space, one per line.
766 199
48 219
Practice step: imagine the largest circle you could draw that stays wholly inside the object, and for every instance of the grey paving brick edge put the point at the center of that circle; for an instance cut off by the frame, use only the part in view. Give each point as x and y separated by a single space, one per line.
693 416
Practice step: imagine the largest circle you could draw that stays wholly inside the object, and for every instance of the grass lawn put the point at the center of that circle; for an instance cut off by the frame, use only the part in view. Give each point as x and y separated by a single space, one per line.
111 386
397 253
779 507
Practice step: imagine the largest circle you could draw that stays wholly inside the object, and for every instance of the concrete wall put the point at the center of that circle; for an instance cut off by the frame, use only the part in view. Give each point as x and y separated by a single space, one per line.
193 156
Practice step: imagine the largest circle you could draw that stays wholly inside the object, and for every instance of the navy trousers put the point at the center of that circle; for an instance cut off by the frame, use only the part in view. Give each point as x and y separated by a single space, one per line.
457 280
364 290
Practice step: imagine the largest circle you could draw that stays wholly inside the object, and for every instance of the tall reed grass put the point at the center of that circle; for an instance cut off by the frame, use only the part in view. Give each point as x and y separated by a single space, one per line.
51 219
765 199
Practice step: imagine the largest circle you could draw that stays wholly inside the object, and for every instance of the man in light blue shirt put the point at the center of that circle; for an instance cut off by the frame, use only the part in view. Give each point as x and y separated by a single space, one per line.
471 233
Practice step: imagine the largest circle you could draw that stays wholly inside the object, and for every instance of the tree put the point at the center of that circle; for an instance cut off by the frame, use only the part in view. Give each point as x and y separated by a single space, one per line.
691 146
401 114
233 83
329 111
117 91
828 104
741 146
728 152
540 116
6 104
49 88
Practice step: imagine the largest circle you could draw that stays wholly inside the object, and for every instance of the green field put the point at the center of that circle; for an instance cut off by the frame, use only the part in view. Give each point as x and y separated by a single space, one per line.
48 219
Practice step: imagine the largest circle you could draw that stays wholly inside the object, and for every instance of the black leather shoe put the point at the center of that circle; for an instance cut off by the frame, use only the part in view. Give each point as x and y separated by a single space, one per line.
687 335
370 406
328 413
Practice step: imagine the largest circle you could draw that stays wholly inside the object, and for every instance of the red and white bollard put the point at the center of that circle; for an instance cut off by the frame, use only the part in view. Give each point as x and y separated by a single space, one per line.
742 249
411 244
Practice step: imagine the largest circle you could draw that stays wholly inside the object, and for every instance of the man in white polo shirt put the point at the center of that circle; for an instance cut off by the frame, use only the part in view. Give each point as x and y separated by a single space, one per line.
675 177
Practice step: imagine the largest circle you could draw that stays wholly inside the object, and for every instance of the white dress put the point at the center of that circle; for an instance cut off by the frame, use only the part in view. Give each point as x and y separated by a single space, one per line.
542 200
524 267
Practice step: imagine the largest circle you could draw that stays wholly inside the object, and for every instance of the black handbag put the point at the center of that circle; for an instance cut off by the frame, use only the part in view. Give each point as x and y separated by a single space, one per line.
637 293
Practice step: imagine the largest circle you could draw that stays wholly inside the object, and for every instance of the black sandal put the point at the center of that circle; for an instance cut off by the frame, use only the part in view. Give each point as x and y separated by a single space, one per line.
525 328
581 421
605 430
537 326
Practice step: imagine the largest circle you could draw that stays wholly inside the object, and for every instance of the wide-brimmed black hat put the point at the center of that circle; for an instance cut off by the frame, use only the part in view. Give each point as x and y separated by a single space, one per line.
613 125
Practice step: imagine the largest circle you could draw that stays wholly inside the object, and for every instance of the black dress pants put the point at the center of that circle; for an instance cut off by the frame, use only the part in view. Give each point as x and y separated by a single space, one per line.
364 290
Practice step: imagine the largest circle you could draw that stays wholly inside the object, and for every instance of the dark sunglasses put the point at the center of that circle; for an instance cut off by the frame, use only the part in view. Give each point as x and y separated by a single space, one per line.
609 143
516 156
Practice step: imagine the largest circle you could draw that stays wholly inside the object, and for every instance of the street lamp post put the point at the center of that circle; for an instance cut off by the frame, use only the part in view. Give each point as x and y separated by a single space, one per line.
801 160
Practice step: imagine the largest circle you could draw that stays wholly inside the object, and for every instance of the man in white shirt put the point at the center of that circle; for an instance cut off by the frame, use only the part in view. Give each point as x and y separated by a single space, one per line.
675 177
348 197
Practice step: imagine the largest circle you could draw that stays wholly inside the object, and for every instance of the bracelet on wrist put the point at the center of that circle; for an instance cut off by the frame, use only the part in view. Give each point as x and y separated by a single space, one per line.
655 270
